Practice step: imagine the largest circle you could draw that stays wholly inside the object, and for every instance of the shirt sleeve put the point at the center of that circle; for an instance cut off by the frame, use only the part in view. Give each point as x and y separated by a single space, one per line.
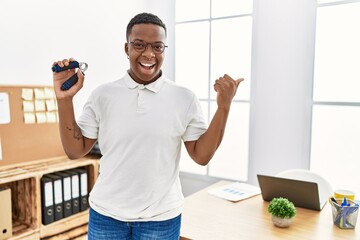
89 120
197 124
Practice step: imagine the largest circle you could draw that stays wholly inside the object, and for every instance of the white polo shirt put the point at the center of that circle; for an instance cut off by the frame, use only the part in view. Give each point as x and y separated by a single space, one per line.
140 129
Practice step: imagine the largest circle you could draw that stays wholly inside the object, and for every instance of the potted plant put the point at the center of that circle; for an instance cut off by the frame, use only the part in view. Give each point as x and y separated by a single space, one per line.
282 211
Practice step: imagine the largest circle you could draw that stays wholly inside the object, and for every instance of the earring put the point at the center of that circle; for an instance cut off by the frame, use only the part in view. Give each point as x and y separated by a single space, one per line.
128 57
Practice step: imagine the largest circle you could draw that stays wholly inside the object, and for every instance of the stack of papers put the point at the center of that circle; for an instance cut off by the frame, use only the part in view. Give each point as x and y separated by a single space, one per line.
235 191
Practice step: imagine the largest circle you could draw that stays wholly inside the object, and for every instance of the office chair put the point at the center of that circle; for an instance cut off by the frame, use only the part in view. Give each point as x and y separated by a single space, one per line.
324 187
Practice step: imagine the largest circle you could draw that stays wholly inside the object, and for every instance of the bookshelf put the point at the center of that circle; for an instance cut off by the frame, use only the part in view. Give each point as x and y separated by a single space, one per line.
24 181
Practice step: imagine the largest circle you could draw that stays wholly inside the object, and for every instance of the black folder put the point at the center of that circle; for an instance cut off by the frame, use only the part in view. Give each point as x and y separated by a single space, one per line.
75 191
47 200
66 189
57 196
83 177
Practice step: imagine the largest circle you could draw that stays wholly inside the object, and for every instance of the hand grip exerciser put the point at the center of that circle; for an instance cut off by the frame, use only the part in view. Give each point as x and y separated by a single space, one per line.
74 78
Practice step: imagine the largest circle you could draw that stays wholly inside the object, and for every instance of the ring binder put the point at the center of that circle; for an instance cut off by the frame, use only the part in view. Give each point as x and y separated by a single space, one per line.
75 193
83 177
47 200
66 190
57 196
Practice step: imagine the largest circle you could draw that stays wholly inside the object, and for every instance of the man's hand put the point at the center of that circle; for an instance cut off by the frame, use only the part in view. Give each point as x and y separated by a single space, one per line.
60 77
226 88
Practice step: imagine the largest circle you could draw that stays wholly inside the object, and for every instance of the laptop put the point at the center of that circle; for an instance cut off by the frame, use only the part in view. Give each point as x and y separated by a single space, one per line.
302 193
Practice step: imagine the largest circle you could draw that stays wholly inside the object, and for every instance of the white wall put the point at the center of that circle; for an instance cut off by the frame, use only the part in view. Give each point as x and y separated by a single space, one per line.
282 69
165 9
35 33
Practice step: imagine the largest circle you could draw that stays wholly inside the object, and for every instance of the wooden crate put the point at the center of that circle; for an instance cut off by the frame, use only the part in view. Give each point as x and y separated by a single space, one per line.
23 206
79 232
28 235
67 228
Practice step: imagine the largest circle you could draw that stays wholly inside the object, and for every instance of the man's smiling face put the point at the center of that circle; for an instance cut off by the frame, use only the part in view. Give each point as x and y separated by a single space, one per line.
145 66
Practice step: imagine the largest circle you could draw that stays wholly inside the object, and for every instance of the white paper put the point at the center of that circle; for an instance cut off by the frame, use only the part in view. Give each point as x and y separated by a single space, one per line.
75 186
5 108
48 194
235 191
41 117
84 187
27 94
49 93
0 150
40 105
57 192
28 106
50 105
29 118
67 188
39 93
51 117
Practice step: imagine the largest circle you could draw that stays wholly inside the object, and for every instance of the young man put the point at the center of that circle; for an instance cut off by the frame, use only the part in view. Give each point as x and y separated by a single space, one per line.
140 122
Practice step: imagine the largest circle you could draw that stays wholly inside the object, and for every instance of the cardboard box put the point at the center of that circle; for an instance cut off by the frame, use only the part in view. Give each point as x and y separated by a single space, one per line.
5 214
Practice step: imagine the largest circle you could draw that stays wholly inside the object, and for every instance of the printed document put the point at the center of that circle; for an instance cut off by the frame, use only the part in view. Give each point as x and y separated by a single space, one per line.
5 108
235 191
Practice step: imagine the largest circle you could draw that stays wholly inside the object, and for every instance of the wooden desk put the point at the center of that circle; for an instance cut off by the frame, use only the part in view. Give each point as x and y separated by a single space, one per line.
209 217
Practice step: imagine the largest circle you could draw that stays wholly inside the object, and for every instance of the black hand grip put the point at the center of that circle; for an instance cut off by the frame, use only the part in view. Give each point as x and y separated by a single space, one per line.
57 68
70 82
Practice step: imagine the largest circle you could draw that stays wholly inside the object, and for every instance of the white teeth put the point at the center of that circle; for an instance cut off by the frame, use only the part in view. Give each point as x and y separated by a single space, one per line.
147 64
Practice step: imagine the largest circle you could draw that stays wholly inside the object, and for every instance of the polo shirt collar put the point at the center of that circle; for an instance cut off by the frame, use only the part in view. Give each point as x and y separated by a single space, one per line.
154 86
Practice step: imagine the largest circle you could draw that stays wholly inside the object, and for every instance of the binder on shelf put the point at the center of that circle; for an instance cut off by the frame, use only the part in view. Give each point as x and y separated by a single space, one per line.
83 177
57 196
5 213
66 190
75 191
47 200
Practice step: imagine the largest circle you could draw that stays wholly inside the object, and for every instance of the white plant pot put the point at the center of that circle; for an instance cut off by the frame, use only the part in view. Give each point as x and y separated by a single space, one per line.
281 222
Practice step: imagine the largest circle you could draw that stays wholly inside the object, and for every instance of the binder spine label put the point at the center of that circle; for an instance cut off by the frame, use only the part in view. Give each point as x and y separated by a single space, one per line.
84 186
58 192
75 186
67 189
48 194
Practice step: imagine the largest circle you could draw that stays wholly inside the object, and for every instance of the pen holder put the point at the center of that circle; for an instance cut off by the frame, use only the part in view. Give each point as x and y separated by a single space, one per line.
344 216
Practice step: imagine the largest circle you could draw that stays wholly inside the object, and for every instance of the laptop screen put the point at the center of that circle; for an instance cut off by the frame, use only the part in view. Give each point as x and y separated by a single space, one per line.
302 193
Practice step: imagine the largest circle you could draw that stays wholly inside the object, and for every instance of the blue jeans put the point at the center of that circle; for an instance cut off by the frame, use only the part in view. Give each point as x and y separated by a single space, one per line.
106 228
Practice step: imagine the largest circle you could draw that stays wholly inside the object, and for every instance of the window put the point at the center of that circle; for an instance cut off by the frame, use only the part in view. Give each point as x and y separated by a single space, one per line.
335 143
213 37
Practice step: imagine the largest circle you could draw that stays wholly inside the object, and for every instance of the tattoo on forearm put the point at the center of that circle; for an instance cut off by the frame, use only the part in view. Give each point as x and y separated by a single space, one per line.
76 131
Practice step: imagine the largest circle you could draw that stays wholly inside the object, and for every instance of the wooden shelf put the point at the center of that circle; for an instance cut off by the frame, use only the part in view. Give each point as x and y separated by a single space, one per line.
24 181
67 226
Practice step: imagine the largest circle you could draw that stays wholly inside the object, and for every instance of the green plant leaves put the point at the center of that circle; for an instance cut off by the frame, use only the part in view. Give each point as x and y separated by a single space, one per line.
282 207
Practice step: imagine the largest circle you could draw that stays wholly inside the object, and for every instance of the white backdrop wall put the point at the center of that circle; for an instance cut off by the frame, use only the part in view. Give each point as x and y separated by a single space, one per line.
35 33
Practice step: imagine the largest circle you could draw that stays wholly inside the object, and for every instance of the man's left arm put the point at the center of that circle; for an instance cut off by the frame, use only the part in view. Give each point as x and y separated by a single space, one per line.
203 149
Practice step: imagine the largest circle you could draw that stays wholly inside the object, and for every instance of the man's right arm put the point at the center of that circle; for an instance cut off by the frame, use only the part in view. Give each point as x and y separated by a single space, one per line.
74 143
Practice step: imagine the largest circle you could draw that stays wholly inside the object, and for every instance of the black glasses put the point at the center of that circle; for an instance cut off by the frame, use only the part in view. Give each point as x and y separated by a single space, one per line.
140 46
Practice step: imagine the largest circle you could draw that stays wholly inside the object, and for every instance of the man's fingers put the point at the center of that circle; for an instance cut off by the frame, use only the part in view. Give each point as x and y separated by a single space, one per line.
64 62
238 81
226 79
